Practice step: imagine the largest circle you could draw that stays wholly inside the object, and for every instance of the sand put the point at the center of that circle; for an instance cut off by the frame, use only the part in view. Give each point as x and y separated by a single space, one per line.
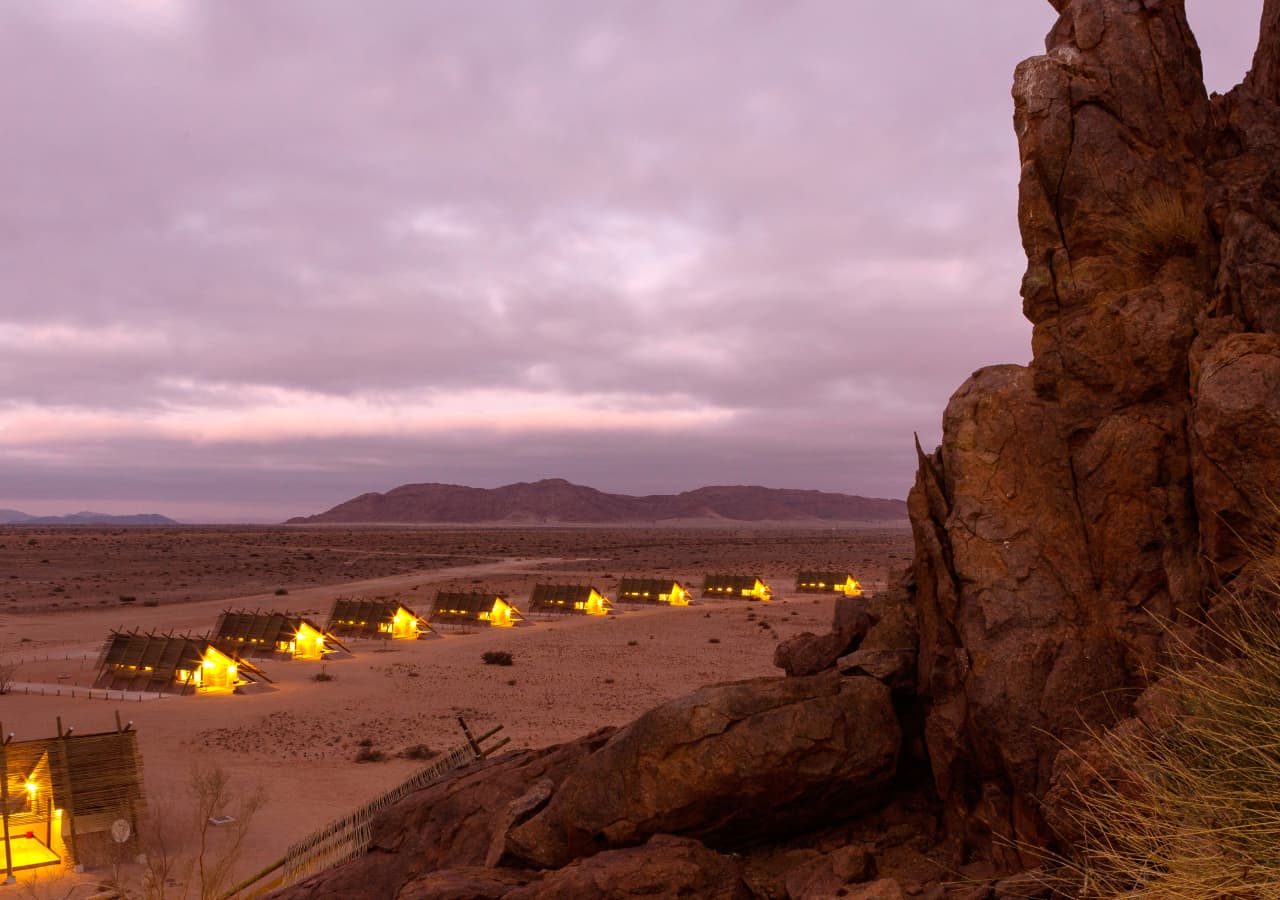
295 743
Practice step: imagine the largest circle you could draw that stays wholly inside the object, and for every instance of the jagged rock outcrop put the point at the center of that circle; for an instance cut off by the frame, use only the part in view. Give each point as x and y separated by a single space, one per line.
1077 502
727 764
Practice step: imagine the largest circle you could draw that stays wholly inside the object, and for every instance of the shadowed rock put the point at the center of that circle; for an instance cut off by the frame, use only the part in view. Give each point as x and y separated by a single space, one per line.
727 764
453 823
664 867
809 654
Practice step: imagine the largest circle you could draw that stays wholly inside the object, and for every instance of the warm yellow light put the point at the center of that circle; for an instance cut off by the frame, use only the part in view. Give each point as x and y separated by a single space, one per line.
209 664
32 787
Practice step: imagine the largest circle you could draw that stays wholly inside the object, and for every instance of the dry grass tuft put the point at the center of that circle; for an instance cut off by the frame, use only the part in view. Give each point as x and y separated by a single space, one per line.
1190 808
1161 225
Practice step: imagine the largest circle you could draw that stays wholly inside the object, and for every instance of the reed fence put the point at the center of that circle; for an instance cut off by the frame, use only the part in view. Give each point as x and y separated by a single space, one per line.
350 836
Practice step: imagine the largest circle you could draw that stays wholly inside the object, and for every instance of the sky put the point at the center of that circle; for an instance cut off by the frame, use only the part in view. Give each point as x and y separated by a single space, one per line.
257 258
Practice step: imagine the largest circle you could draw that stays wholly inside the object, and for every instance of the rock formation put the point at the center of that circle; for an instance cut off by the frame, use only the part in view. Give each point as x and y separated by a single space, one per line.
1079 511
1078 503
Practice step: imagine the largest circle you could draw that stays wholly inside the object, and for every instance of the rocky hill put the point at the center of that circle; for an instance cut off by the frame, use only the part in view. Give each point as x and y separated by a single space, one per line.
1080 515
16 517
555 500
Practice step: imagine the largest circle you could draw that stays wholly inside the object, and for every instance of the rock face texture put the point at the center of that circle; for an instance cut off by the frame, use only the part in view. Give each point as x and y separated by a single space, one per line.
1078 501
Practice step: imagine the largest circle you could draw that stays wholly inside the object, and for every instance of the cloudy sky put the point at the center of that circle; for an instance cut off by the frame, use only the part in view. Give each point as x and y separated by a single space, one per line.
258 257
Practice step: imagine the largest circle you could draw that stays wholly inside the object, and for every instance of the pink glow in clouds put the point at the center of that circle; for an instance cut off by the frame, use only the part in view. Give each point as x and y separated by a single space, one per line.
256 258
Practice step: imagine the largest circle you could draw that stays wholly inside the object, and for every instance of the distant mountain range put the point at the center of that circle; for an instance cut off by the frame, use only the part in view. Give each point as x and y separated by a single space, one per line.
15 517
554 501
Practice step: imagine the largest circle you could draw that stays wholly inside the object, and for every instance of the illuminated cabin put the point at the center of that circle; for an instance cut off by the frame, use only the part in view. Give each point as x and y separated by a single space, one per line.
62 799
380 619
652 590
274 634
749 586
171 664
569 598
472 607
828 583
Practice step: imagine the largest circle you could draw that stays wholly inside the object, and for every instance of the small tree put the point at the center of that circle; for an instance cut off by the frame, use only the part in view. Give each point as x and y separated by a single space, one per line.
214 796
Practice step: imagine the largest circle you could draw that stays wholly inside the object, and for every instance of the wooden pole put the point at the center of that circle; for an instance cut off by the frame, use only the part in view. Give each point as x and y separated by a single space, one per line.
4 804
70 800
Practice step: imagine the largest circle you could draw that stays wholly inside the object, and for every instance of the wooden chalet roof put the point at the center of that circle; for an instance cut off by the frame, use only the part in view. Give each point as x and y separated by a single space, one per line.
162 655
550 595
360 610
827 578
462 604
651 587
259 627
730 582
91 773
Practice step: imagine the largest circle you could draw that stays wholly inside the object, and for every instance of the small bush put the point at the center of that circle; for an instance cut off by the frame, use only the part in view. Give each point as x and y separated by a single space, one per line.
419 751
280 592
150 602
633 643
322 675
368 755
496 658
365 742
126 598
713 640
1160 226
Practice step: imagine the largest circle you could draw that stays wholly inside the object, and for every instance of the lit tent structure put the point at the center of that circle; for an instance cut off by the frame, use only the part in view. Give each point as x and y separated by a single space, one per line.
749 586
653 590
569 598
274 634
172 664
472 607
380 619
828 583
68 800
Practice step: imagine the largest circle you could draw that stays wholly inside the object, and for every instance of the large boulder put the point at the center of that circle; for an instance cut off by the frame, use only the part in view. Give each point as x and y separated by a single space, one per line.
727 764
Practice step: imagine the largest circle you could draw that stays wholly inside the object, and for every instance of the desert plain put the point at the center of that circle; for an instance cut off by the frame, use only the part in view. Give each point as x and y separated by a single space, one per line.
294 743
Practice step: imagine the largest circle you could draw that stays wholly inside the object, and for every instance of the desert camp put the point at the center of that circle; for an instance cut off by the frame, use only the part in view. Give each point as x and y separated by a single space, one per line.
828 583
376 619
67 799
171 664
280 635
569 598
652 590
749 586
473 608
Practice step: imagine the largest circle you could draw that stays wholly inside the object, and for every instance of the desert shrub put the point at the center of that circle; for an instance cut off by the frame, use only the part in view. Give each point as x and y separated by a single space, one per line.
126 598
322 675
713 640
369 755
419 751
1160 225
150 603
280 592
496 658
1189 806
633 643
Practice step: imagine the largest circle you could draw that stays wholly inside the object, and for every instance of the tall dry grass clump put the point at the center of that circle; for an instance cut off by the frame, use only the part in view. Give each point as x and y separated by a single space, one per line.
1186 802
1161 225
